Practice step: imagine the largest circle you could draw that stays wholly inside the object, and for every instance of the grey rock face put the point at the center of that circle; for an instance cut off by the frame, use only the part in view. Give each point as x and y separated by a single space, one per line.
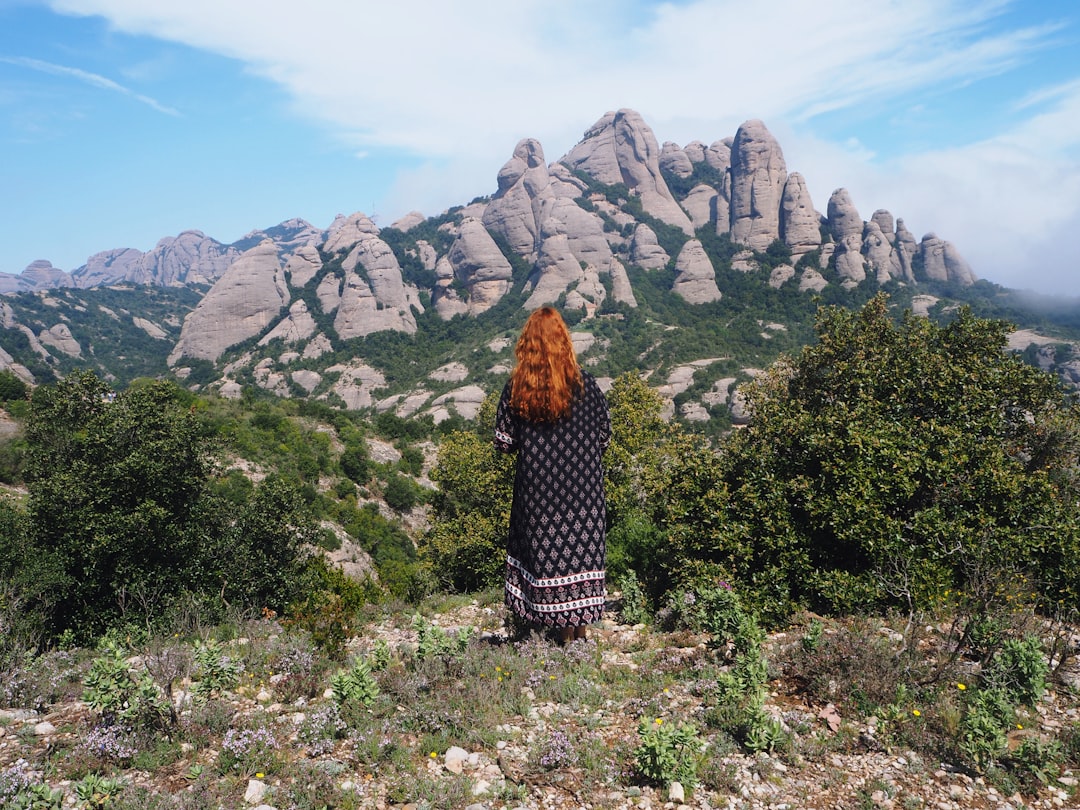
298 325
645 250
906 248
41 275
302 265
356 383
536 212
799 222
844 219
244 301
479 266
190 258
885 222
673 159
942 262
758 175
696 279
850 264
881 260
374 297
60 338
514 212
701 205
621 148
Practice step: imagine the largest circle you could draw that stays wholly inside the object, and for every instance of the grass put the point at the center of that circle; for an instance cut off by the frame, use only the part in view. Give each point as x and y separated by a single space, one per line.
536 717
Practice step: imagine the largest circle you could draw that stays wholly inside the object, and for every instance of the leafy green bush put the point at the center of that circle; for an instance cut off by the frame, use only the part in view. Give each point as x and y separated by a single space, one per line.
355 685
121 695
868 449
667 752
215 671
987 714
1019 670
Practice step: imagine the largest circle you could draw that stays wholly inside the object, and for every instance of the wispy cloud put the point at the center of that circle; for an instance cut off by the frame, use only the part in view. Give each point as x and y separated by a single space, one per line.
456 85
86 77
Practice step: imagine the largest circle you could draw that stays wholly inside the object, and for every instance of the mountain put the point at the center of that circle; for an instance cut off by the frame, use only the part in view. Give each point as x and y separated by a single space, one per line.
695 264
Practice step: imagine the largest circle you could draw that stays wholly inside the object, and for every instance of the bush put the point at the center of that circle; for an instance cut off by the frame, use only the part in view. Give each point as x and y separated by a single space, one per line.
1018 670
402 494
667 752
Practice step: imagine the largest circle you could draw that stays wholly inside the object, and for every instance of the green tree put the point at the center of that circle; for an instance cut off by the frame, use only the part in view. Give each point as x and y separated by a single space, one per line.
888 463
11 387
465 548
636 469
120 505
116 493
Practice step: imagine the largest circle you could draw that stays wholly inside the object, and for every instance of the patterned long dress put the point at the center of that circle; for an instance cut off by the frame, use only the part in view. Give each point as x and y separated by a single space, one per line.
555 553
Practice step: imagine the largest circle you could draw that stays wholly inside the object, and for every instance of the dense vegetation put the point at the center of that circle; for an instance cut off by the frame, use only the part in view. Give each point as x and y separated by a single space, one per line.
895 466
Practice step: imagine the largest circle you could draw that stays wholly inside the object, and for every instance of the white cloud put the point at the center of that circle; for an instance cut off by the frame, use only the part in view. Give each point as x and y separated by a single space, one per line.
458 84
93 79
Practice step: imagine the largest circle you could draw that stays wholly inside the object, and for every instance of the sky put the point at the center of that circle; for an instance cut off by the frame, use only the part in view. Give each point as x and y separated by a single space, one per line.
126 121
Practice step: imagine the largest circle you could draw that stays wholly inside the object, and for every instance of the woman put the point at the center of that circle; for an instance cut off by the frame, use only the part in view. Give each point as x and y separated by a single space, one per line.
554 416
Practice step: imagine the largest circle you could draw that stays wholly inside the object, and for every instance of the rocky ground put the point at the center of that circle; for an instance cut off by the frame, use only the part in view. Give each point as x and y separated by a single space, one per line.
815 774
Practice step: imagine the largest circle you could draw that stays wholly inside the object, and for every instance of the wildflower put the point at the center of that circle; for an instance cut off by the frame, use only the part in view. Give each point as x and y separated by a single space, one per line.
259 775
916 712
1020 726
659 721
433 755
961 687
551 677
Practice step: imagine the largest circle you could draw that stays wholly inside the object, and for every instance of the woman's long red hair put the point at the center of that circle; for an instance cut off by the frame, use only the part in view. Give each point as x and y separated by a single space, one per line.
547 375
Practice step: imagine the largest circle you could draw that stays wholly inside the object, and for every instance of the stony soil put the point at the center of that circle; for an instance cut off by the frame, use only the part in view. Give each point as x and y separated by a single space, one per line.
500 776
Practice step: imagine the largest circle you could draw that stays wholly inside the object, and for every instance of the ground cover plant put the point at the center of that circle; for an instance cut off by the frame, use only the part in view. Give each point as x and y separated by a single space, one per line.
445 707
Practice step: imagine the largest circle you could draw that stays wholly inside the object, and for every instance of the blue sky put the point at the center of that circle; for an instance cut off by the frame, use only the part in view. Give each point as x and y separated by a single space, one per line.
125 121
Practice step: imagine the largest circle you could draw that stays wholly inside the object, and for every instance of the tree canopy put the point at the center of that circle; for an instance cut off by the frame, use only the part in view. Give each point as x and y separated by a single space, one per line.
121 508
890 462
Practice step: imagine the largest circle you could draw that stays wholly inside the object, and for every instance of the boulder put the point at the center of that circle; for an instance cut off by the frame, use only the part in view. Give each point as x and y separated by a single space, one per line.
645 250
696 277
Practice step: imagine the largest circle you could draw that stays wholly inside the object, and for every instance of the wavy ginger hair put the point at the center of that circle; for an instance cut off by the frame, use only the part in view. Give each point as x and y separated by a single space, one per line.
547 375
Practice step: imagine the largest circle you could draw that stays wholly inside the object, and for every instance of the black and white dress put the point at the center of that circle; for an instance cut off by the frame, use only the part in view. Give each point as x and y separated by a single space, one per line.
555 553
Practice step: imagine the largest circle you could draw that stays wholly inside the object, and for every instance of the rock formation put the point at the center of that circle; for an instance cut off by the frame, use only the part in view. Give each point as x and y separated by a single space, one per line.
246 300
758 174
696 279
621 148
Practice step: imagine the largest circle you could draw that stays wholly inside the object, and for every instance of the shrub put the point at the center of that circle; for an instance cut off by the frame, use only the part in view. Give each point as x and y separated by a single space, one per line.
1019 670
215 672
121 695
667 752
355 686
